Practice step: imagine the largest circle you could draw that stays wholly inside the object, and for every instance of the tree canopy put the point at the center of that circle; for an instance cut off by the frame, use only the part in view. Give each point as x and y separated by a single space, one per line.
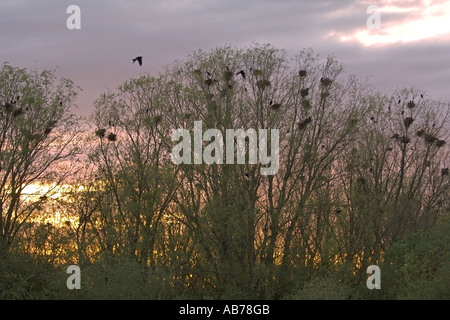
360 172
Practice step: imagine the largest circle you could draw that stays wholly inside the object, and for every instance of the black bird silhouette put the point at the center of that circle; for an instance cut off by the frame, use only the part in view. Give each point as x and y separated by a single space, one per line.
242 73
399 101
421 96
138 59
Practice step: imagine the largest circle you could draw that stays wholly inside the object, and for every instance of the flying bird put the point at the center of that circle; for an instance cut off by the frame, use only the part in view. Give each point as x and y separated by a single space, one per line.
138 59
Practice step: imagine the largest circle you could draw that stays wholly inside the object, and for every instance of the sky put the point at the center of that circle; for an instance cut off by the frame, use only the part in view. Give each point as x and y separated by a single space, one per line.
409 45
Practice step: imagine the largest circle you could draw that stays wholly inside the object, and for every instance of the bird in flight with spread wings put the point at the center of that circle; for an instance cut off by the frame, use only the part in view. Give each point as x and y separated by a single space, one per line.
138 59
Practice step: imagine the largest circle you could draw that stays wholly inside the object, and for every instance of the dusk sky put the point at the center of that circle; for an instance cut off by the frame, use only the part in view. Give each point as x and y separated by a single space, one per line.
411 47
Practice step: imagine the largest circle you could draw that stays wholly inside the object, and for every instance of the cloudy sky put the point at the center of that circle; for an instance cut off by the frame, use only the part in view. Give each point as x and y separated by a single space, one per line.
411 47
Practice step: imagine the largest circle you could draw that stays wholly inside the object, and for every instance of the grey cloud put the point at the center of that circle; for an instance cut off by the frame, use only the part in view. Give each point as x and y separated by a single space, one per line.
99 55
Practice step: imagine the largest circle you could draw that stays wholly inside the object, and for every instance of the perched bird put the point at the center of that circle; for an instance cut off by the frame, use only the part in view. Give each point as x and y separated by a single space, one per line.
399 101
421 96
138 59
242 73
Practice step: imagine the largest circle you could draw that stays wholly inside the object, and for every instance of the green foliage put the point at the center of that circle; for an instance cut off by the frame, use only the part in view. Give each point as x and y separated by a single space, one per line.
326 287
417 266
23 277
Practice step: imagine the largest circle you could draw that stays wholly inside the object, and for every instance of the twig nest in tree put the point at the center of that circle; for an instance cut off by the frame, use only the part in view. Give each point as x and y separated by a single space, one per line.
420 133
306 103
262 84
302 73
8 107
304 92
408 121
325 81
429 138
404 139
411 104
17 112
302 124
275 106
157 119
324 95
209 82
257 72
228 75
112 137
352 122
100 133
444 171
148 121
440 143
47 130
